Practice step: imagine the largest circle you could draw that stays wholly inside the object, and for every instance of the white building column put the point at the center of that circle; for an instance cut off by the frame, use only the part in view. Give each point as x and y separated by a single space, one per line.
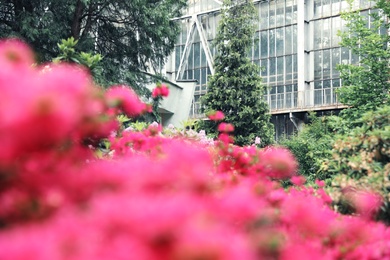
302 53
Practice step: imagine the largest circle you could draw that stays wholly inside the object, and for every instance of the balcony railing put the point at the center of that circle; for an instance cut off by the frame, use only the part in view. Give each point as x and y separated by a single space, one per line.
292 101
303 100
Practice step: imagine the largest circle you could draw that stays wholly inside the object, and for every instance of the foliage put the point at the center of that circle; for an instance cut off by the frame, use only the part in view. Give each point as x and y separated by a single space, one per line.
362 159
236 88
366 85
91 61
58 201
129 35
313 144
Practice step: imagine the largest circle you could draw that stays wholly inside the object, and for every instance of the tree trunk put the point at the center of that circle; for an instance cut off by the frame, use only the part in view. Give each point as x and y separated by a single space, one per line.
77 19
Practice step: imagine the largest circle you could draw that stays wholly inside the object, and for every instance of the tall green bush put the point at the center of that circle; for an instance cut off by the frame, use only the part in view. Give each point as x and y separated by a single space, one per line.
236 87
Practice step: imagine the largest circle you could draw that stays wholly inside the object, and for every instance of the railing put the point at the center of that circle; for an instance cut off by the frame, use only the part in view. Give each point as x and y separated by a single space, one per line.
292 101
303 100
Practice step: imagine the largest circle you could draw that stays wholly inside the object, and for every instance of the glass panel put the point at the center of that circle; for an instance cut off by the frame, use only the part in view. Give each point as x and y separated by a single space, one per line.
271 42
203 61
295 66
289 68
336 83
280 69
280 101
264 67
196 36
295 13
335 7
318 65
279 41
289 100
326 7
196 47
318 93
190 74
264 44
197 75
190 62
317 11
318 85
177 58
294 40
335 61
280 13
326 64
289 9
288 43
271 14
264 15
273 101
203 76
272 69
335 86
317 34
335 28
326 33
327 99
184 31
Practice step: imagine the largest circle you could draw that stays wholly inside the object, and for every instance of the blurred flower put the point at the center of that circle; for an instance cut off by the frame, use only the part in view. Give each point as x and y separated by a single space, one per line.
278 163
225 127
216 115
161 90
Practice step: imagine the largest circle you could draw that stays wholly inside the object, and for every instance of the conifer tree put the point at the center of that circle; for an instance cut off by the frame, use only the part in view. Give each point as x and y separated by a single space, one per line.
236 87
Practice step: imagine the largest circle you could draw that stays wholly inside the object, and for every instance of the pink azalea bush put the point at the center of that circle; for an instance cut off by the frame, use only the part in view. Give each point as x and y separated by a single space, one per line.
154 197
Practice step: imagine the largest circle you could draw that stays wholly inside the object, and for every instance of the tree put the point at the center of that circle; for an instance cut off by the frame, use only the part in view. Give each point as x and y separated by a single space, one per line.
130 35
366 86
236 88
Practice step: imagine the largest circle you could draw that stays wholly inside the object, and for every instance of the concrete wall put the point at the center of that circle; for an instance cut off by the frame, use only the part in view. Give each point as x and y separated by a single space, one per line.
175 109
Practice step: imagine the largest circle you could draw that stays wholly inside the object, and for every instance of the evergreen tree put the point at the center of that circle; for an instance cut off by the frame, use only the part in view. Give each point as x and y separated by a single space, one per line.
236 87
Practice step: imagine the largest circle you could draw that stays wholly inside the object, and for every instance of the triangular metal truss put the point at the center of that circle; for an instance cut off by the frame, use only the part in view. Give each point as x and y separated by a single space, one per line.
195 27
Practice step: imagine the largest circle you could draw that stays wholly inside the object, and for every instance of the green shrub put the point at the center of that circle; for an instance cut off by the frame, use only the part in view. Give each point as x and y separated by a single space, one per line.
313 144
361 159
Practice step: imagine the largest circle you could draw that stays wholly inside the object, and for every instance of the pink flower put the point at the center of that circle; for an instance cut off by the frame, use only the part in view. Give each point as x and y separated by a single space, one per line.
365 203
126 99
319 183
298 180
278 163
216 115
160 91
14 52
225 138
225 128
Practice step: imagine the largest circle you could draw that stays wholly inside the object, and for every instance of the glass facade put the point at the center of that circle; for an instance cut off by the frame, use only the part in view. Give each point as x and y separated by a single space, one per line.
275 49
